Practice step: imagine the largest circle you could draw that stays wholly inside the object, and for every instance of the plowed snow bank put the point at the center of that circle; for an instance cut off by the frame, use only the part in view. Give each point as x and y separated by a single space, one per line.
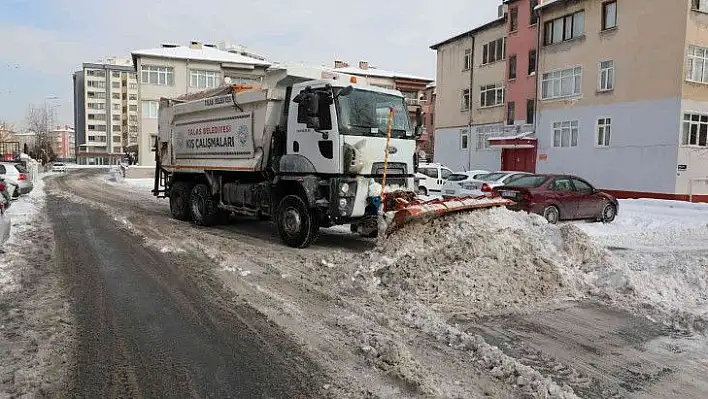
477 263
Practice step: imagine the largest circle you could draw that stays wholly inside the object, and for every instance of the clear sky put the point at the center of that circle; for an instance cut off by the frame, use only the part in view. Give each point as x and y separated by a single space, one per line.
44 41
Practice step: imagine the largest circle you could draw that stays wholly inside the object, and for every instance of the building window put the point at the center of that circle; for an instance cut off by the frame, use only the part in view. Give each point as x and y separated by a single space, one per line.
564 28
133 86
532 62
491 95
116 128
699 5
494 51
604 127
512 67
115 85
156 75
115 96
117 139
116 117
695 130
609 15
150 109
697 64
465 100
530 111
510 113
534 15
133 97
565 134
133 129
607 75
99 84
204 79
115 74
133 108
464 137
467 60
96 72
91 138
513 19
563 83
99 106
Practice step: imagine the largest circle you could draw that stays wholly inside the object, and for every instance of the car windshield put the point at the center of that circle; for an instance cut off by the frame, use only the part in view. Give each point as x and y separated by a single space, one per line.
457 177
365 113
491 176
528 181
21 169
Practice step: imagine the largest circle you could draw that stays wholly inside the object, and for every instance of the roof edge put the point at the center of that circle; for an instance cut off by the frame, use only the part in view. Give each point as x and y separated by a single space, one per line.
488 25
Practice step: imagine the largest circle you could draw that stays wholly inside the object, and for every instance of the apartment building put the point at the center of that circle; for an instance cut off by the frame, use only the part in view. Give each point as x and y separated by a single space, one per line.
63 142
173 70
623 95
470 97
105 111
412 87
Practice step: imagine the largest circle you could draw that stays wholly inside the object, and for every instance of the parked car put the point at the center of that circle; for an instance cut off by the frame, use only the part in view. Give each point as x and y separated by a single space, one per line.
59 167
461 184
484 184
432 177
16 174
560 197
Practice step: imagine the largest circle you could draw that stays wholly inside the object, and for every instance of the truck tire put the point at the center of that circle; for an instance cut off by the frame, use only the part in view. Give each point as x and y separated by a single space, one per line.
297 225
179 200
203 206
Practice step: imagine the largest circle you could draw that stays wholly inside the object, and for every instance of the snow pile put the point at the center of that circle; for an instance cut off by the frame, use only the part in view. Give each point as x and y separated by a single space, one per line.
479 263
23 213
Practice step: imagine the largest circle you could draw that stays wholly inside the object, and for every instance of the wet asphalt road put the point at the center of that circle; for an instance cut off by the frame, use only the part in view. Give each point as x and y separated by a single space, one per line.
156 325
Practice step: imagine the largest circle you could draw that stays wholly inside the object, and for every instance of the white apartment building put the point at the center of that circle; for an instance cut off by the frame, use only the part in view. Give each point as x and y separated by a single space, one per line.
105 111
173 70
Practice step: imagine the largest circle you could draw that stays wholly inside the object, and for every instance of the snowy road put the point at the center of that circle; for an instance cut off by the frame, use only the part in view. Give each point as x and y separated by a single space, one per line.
537 311
150 324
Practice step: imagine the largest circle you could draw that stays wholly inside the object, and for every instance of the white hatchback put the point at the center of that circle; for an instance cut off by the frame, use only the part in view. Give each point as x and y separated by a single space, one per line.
485 183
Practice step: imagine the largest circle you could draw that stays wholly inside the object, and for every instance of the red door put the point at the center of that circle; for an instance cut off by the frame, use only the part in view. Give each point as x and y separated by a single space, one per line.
519 159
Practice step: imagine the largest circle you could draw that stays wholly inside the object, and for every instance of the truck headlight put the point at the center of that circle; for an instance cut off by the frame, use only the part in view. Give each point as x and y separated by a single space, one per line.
345 188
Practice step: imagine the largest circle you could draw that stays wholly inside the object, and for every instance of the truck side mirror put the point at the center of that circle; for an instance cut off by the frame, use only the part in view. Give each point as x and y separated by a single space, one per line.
418 131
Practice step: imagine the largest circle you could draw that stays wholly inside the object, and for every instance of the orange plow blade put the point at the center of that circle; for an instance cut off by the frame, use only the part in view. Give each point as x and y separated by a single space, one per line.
407 210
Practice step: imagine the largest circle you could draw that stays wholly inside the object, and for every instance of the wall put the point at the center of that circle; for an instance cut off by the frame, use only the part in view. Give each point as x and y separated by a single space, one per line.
647 46
449 151
643 154
519 43
485 75
451 79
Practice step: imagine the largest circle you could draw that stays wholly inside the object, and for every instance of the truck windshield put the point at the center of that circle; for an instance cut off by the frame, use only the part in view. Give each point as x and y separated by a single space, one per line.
365 113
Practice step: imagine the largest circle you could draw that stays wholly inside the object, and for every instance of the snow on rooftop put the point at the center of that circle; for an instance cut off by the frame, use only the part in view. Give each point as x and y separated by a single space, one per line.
204 53
379 73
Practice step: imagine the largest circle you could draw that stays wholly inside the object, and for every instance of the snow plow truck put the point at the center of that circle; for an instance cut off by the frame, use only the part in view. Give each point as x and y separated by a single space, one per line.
306 149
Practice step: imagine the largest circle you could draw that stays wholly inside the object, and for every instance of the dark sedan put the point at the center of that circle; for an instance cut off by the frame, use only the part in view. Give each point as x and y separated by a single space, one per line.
559 197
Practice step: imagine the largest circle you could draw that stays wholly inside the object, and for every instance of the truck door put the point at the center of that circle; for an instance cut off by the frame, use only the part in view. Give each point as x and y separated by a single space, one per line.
321 147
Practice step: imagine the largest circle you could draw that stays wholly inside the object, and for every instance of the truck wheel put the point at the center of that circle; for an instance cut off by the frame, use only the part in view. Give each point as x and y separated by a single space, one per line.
179 200
296 223
204 209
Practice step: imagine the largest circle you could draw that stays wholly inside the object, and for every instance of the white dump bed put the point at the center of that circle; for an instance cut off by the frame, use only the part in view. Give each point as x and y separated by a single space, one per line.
213 133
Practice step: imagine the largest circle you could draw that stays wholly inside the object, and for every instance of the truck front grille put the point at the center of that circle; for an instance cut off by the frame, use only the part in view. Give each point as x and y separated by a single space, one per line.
395 173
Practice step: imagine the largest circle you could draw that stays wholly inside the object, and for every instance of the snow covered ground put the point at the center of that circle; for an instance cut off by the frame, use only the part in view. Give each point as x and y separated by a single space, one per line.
22 215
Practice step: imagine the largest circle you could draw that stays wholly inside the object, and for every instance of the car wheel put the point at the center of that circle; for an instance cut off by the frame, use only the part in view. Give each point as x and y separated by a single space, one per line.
422 191
204 208
179 200
551 214
609 212
297 225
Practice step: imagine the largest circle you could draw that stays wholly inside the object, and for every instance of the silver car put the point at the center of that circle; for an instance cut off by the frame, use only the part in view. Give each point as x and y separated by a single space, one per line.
19 176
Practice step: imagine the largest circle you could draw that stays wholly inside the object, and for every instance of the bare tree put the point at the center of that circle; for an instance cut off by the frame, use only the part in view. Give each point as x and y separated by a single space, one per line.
39 121
7 132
